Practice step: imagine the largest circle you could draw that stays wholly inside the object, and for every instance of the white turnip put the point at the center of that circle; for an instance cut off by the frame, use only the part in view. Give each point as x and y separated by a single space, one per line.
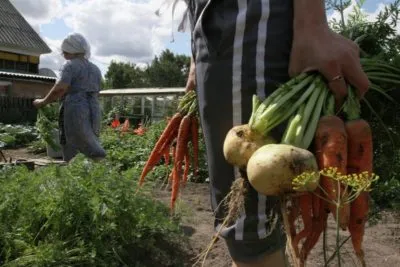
240 143
272 168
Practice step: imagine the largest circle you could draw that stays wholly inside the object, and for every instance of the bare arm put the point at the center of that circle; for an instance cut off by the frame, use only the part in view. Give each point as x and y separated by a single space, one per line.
308 13
191 81
58 90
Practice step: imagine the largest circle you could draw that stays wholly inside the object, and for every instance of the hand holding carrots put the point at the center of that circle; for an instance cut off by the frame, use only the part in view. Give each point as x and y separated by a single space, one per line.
334 56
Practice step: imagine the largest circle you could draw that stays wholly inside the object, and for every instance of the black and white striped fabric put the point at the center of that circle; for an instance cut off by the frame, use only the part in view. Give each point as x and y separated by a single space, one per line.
241 48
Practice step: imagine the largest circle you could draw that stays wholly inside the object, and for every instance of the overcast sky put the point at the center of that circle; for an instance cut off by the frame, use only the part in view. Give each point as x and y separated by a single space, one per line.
122 30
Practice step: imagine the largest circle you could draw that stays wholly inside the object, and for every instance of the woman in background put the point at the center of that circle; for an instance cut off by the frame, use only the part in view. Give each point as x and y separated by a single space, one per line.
77 88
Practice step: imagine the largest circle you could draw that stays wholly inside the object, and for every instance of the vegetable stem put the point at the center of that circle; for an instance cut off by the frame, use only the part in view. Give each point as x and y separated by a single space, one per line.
312 101
312 125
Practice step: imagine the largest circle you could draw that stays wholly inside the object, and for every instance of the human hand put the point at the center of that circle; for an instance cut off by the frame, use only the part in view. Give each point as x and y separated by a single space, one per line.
38 103
334 56
191 81
191 84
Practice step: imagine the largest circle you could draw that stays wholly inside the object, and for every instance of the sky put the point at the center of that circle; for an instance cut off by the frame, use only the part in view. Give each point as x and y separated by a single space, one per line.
120 30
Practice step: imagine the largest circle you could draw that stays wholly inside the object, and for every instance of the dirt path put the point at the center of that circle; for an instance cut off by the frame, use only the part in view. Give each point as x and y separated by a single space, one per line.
21 153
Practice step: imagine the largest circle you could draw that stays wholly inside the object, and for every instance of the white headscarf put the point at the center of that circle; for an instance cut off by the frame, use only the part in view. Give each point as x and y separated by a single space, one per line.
75 43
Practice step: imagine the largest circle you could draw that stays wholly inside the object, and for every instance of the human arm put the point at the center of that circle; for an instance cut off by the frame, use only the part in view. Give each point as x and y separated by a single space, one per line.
316 47
191 81
61 86
55 93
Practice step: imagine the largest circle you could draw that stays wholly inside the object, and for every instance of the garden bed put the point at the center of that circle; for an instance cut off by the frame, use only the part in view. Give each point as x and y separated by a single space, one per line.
382 240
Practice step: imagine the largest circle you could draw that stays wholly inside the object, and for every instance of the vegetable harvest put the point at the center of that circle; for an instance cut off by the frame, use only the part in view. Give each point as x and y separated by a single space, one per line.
181 129
323 163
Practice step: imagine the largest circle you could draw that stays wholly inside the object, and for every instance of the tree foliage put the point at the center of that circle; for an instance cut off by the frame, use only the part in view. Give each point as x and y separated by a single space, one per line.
165 70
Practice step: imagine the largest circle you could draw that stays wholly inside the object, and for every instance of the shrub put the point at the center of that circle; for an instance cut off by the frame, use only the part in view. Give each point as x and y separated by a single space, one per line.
83 214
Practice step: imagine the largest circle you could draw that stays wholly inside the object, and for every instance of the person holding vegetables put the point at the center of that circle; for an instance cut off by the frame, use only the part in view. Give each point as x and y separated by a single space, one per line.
244 48
78 88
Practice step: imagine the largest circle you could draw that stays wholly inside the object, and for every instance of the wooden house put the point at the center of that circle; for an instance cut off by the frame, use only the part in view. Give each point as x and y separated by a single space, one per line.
20 51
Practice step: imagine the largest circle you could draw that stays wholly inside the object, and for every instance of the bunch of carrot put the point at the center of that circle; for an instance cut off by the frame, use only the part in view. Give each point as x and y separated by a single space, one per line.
181 129
345 144
341 142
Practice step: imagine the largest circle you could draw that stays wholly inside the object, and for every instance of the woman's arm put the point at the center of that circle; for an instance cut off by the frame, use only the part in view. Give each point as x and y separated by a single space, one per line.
191 81
308 13
58 90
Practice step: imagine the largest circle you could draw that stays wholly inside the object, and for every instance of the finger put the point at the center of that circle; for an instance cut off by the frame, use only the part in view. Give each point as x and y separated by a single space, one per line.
354 47
355 75
336 82
339 89
294 71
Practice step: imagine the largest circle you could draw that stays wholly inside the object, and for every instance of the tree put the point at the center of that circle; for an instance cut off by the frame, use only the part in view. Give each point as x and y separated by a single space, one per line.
166 70
124 75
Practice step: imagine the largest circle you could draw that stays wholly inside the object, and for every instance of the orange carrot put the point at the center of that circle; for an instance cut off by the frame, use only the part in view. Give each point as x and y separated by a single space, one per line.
170 138
166 156
305 203
195 143
360 159
187 166
156 153
175 188
318 226
331 151
181 144
293 214
173 150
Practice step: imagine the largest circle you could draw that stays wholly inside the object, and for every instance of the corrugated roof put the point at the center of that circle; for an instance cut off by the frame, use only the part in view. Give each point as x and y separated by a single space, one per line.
24 76
15 31
143 91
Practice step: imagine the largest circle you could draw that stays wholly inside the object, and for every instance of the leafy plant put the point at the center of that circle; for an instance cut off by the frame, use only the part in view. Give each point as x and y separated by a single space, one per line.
130 151
17 135
47 124
37 147
83 214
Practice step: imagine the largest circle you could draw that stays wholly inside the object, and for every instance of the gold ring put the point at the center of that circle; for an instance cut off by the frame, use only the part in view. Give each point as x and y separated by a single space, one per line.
336 78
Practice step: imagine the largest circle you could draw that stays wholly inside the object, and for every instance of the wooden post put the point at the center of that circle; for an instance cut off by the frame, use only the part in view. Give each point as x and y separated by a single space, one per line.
153 104
142 103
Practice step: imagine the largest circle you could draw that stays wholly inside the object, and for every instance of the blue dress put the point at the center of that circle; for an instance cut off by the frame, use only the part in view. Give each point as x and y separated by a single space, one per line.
80 114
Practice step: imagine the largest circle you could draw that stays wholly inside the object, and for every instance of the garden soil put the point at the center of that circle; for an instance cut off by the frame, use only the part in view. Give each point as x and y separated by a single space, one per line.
381 243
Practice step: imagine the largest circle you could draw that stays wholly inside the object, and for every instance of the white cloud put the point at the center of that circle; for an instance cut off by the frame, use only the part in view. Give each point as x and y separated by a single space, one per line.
121 28
370 16
53 60
38 12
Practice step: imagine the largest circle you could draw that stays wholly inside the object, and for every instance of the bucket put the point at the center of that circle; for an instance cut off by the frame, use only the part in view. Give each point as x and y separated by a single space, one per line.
52 153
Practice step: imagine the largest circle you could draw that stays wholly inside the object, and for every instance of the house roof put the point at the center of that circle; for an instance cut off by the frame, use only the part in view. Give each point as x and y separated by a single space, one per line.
24 76
16 33
143 91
